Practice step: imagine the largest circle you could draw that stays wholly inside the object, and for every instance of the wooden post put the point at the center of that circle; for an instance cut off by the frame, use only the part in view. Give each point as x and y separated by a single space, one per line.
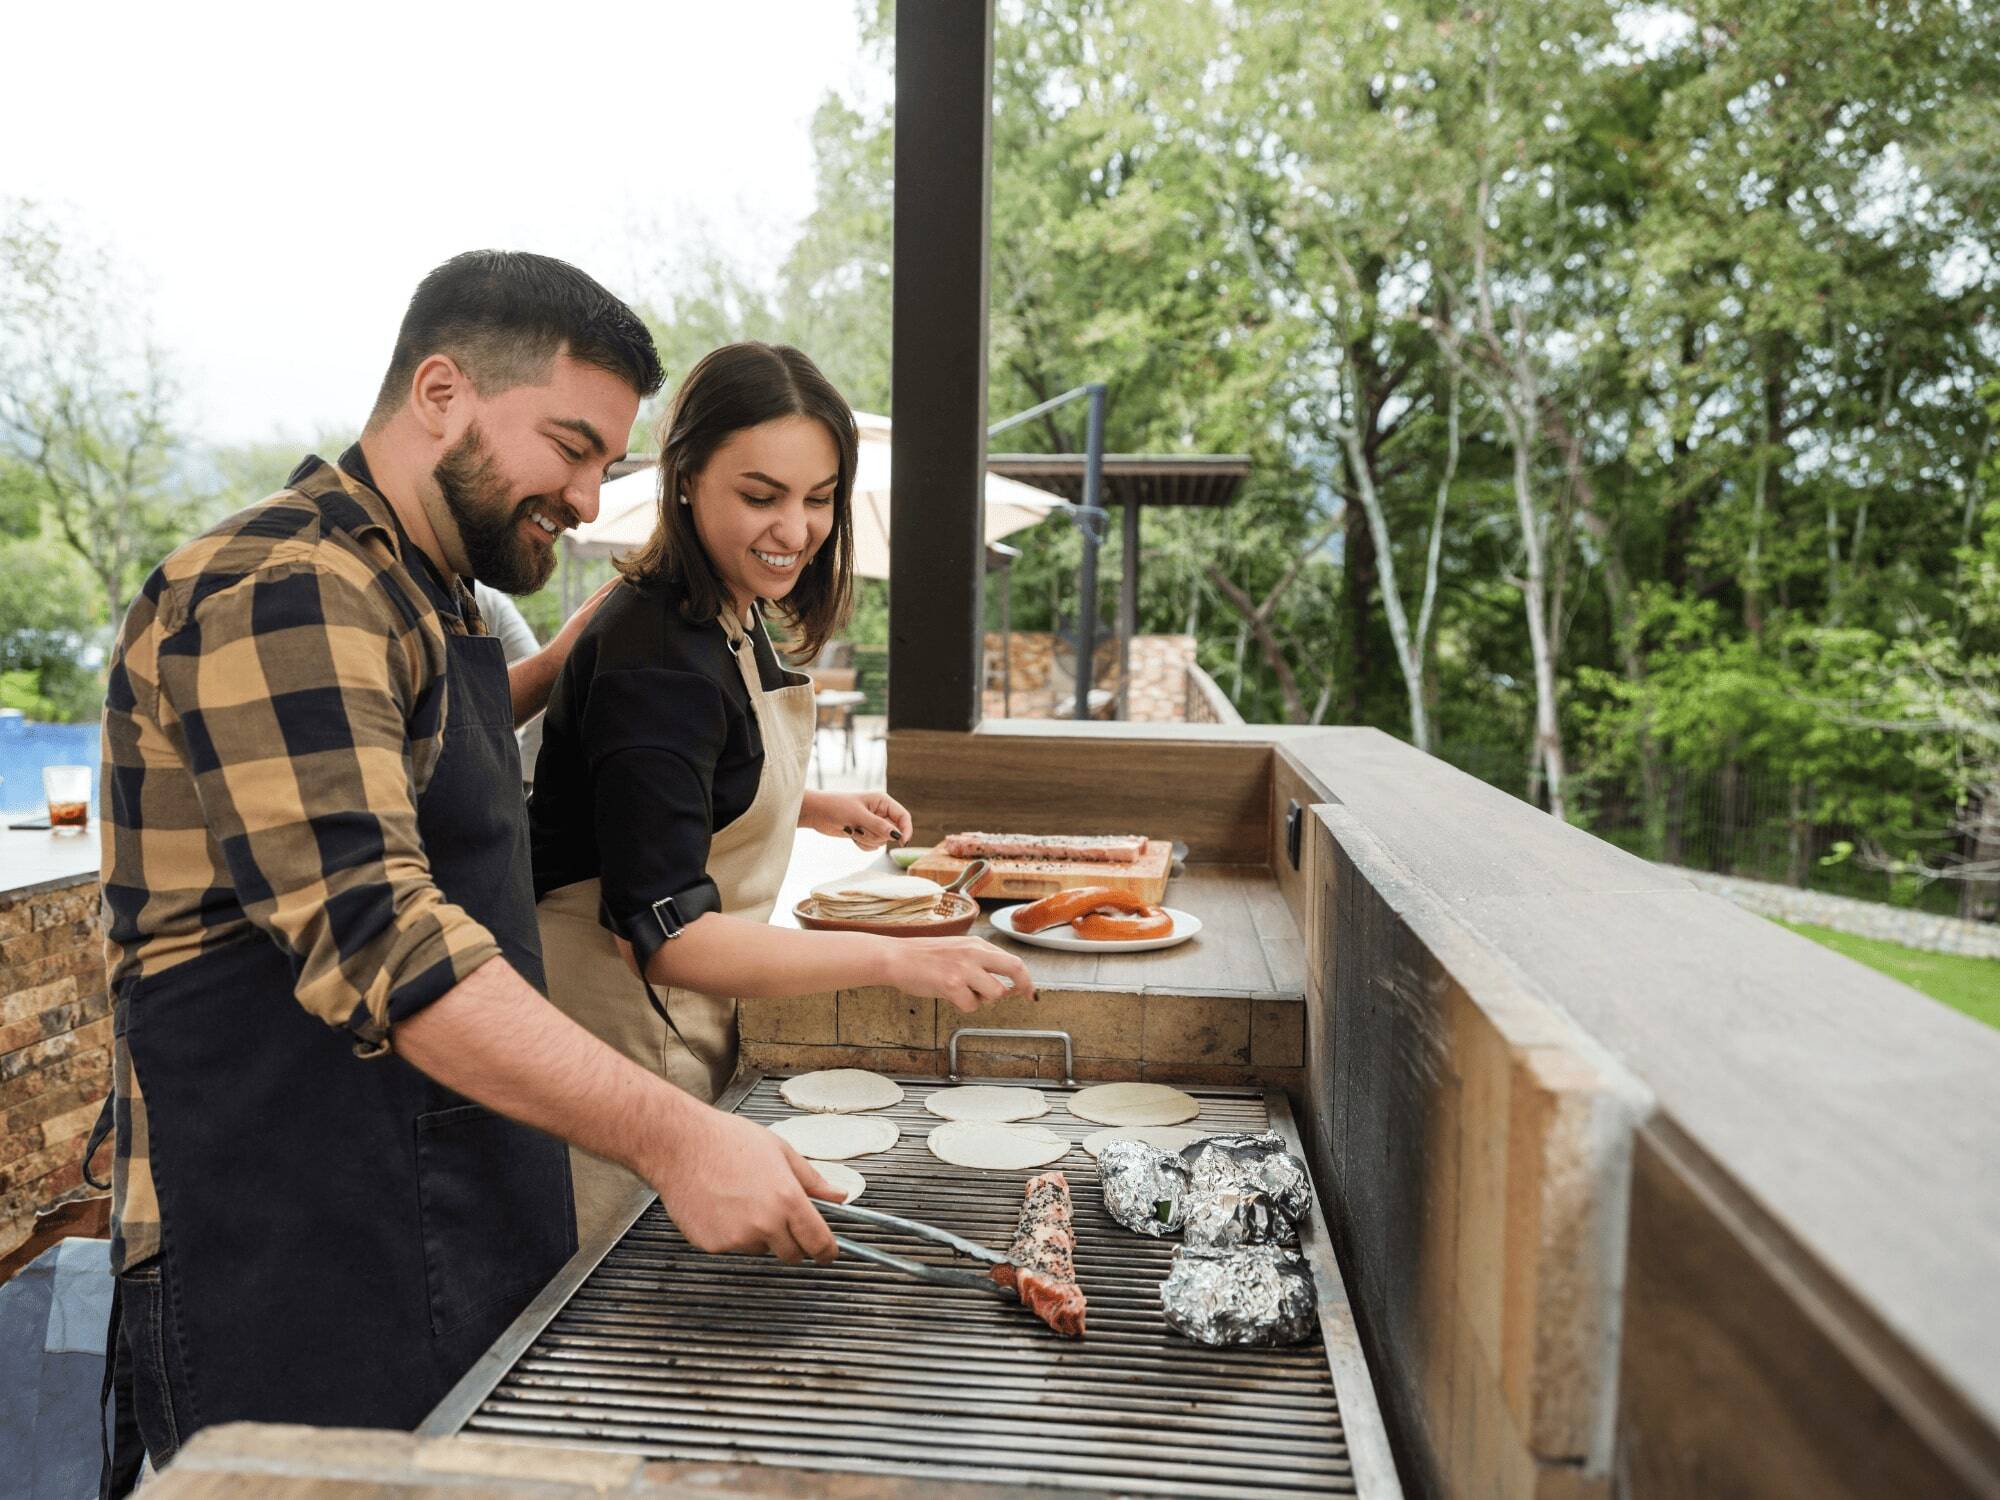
1128 604
937 454
1092 521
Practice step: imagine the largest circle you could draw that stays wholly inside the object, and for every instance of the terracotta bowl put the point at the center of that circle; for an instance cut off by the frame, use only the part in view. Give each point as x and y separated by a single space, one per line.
954 916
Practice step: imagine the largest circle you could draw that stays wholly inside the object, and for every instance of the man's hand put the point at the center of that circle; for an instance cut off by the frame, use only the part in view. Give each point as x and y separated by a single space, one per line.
871 819
729 1184
734 1187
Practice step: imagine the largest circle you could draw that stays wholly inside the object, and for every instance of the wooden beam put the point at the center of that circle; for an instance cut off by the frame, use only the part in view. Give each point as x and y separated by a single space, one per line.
944 89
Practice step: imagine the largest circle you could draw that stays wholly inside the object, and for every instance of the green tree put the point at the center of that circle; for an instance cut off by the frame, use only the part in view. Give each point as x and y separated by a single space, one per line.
87 409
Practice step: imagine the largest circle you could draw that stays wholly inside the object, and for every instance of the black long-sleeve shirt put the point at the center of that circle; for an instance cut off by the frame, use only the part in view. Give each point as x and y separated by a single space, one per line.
650 744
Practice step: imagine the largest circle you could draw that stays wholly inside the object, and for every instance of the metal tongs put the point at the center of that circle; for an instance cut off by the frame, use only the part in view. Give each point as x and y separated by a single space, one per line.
959 1276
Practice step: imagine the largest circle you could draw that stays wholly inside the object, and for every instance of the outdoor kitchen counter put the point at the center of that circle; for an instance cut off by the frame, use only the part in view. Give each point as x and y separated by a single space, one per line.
255 1461
34 862
1225 1007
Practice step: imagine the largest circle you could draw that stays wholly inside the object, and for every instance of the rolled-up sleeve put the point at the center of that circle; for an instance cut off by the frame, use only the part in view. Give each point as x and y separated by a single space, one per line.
309 707
652 738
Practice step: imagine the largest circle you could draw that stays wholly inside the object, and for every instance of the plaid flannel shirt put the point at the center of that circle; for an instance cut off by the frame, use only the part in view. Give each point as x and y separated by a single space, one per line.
275 705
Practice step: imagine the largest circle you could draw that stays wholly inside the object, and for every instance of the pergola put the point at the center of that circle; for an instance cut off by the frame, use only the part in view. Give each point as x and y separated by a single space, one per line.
1128 482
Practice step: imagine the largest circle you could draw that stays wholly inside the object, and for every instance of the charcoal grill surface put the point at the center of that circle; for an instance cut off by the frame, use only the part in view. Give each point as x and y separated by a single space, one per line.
656 1348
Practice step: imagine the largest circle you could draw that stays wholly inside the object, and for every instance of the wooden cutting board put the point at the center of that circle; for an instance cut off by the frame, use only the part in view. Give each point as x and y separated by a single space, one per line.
1031 879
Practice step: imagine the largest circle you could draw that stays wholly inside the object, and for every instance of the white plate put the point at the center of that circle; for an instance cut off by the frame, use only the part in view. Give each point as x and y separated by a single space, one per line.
1065 940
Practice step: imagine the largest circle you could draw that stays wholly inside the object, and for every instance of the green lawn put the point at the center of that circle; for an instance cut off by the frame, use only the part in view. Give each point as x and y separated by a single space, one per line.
1968 984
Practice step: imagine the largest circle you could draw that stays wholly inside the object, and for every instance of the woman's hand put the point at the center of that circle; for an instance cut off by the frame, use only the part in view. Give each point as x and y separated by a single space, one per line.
871 819
967 971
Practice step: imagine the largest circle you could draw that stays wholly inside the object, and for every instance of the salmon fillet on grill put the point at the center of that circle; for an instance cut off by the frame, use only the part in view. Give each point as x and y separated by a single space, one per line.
1041 1263
1105 848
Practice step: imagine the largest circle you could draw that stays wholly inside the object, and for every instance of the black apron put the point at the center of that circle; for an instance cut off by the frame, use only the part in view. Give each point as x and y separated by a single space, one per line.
341 1237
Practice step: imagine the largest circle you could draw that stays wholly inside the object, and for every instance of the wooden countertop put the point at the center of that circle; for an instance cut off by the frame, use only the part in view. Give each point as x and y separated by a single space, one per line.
256 1461
1248 948
34 861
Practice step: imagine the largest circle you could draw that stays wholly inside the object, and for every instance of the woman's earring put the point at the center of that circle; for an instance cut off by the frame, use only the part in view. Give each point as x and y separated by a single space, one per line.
684 499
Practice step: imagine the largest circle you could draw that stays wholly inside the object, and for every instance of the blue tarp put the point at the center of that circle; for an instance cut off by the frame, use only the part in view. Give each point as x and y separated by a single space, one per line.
52 1323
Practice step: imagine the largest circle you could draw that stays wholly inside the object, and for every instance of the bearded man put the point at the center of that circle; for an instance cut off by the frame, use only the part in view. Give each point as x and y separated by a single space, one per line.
340 1098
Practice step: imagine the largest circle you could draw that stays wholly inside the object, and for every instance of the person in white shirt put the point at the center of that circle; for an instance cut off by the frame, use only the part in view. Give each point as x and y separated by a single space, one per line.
504 619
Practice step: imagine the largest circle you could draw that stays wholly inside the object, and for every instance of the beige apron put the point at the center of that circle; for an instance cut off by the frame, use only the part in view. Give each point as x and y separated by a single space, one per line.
590 981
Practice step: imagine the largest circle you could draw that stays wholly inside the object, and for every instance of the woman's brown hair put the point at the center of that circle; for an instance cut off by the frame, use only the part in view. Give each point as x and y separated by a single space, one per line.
730 389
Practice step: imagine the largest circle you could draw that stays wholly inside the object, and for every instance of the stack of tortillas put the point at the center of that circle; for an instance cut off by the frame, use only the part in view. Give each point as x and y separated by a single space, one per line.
877 898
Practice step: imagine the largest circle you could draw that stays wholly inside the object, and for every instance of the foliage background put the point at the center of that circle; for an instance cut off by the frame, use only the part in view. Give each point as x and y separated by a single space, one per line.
1619 381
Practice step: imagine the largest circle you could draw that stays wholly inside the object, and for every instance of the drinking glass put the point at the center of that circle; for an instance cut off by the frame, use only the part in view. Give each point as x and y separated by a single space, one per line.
68 791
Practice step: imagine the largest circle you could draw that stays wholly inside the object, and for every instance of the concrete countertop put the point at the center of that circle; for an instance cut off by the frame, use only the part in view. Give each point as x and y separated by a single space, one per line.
34 860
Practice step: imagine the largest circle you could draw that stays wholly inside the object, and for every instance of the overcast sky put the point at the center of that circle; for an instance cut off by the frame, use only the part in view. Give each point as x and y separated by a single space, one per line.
280 176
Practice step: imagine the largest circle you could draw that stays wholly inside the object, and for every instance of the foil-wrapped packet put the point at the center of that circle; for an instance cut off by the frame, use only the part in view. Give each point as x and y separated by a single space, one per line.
1222 1164
1254 1295
1221 1220
1143 1186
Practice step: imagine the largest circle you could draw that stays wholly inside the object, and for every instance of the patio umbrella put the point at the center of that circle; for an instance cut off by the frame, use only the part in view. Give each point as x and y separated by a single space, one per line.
626 507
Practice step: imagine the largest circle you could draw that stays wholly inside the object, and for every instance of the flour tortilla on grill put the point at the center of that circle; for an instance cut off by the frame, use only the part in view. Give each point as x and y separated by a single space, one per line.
1133 1104
842 1179
840 1091
837 1137
1162 1137
985 1101
988 1146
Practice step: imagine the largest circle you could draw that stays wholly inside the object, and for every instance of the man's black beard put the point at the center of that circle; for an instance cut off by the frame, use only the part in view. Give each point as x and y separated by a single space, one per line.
476 496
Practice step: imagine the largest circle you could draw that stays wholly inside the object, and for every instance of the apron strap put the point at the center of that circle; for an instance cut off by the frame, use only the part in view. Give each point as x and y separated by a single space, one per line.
653 998
121 1450
98 1132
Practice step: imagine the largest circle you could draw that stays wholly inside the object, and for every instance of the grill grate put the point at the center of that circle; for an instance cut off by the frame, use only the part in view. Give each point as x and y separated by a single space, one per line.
668 1352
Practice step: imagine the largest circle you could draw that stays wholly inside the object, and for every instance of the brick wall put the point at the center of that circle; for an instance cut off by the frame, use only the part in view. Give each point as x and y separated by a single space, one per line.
55 1050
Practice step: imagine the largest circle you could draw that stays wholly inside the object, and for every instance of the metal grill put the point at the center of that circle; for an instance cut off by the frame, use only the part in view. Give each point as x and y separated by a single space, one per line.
659 1349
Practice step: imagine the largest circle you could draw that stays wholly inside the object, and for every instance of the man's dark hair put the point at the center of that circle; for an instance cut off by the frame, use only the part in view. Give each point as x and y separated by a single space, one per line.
504 315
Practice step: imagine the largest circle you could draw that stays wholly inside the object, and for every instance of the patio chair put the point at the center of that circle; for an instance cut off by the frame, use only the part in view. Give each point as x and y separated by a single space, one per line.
834 703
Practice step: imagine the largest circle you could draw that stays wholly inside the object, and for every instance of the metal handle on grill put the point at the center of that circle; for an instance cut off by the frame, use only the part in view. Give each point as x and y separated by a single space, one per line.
1069 1047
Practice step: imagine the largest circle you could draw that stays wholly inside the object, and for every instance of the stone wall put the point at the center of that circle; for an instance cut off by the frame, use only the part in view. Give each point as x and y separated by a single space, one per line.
1159 676
55 1050
1202 1039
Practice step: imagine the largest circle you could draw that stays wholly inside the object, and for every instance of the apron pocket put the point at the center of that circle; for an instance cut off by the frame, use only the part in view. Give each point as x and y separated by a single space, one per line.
494 1197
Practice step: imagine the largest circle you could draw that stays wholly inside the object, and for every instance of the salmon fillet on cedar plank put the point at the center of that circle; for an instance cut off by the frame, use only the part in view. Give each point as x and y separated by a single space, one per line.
1041 1264
1107 848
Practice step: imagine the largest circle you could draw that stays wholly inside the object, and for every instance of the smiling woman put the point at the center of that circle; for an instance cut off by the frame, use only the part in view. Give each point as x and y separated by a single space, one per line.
757 458
671 781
